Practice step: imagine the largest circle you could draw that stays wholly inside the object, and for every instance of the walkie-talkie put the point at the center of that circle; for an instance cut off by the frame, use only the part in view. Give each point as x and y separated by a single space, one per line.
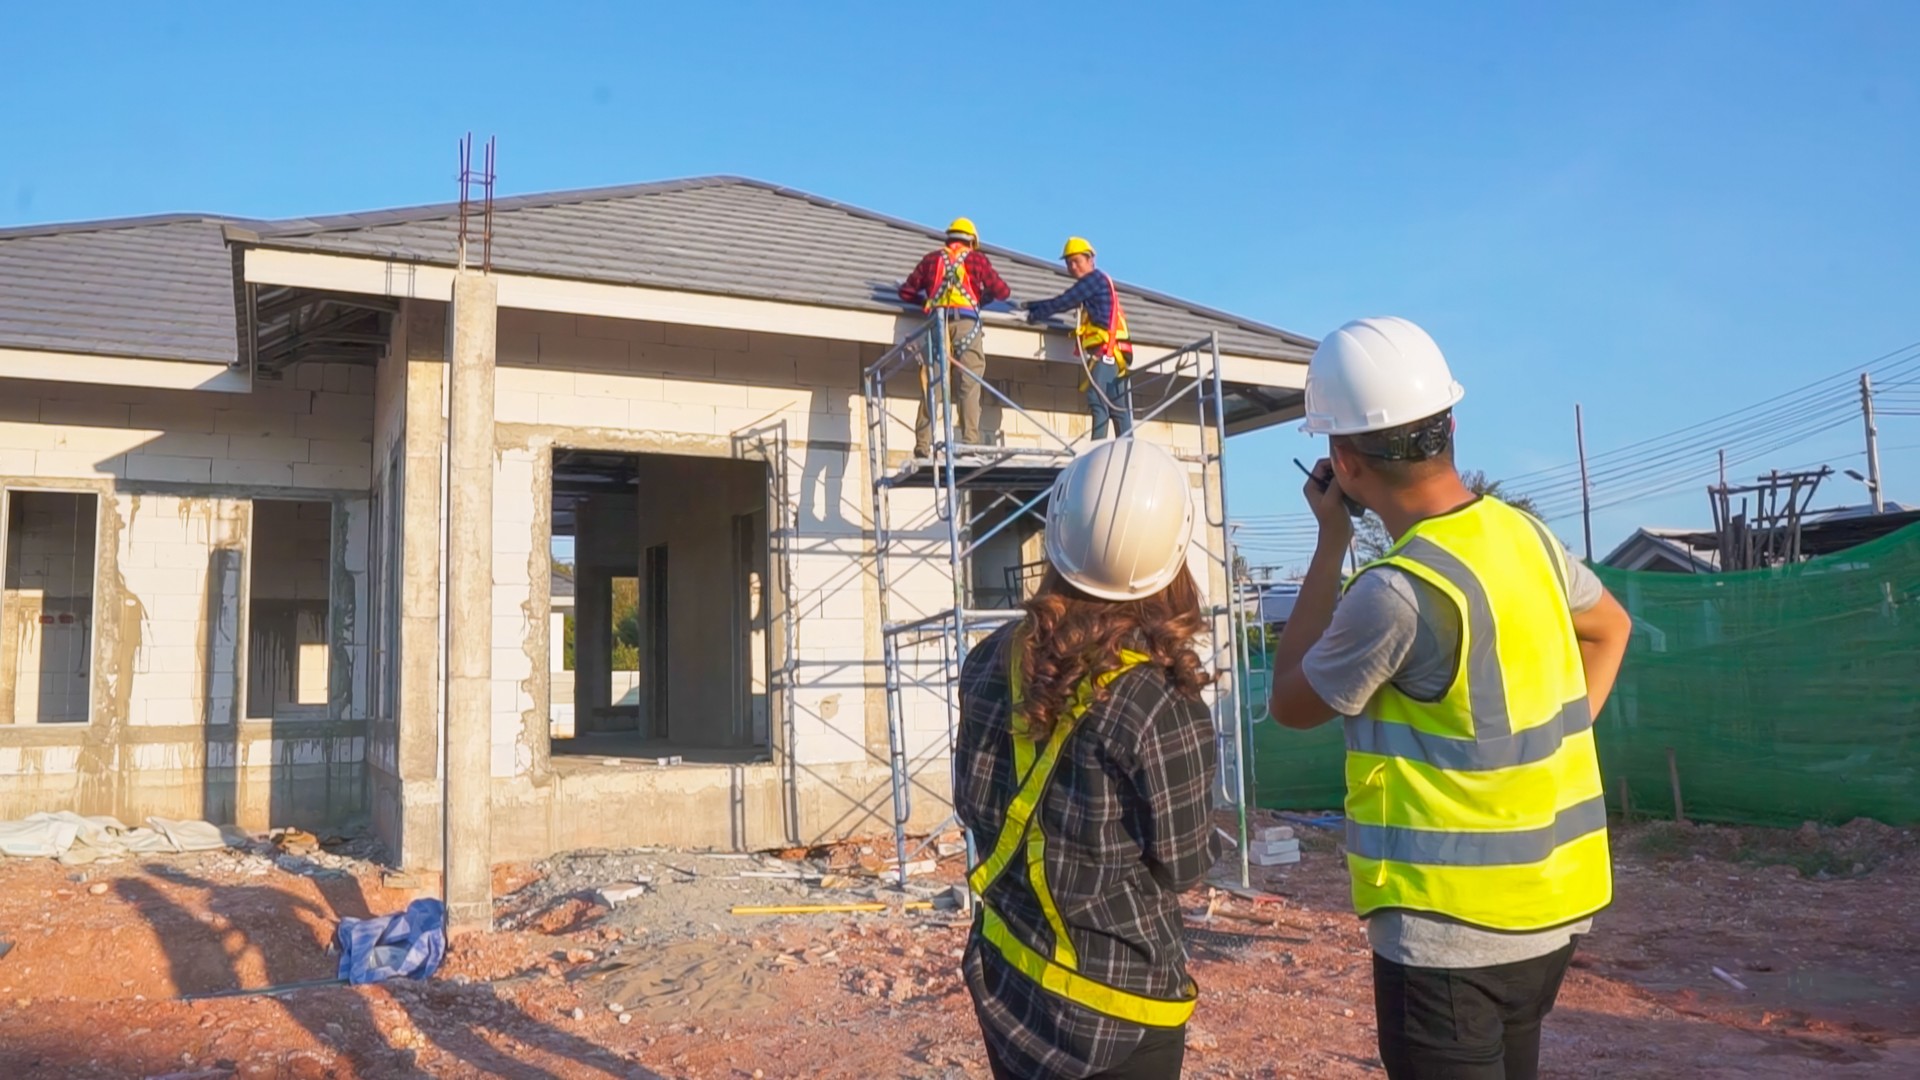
1353 508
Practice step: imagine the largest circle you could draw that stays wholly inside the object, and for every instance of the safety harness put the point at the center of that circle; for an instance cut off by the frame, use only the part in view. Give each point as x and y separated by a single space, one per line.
1056 972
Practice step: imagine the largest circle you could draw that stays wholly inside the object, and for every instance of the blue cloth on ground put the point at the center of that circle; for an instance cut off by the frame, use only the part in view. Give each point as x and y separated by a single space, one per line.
409 945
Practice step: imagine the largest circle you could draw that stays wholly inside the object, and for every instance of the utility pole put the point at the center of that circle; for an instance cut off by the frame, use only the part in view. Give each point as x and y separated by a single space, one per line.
1586 500
1873 443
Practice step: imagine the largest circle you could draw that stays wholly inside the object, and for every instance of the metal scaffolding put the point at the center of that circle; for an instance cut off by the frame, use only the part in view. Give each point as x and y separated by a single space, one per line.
981 490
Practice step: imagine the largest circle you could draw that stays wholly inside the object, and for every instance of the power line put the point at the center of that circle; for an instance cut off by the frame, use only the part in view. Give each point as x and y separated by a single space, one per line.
1699 475
1756 427
1690 458
1613 463
1909 356
1678 463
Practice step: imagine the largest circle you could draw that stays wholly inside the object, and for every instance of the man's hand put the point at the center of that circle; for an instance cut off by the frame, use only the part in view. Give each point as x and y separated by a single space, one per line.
1329 505
1292 701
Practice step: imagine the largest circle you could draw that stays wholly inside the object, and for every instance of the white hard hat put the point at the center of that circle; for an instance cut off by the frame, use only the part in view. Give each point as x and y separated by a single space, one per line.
1119 519
1373 374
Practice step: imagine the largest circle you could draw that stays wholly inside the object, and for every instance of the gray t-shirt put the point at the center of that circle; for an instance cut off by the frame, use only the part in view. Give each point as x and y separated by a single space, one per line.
1392 627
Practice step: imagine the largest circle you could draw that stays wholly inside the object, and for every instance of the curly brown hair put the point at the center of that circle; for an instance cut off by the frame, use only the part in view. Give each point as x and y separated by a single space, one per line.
1069 637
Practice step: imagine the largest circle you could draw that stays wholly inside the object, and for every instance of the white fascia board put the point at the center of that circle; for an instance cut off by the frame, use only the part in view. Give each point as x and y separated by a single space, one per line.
385 277
122 371
1275 419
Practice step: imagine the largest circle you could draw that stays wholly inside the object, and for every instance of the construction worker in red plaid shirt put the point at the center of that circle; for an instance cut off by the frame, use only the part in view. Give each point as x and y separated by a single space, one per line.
959 279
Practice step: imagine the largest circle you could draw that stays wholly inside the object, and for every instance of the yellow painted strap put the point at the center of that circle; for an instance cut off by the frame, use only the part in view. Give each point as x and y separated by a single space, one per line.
1035 772
1033 776
1095 995
1063 953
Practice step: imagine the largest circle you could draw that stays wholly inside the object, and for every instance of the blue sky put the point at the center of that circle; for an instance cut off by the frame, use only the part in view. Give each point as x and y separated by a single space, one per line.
1664 212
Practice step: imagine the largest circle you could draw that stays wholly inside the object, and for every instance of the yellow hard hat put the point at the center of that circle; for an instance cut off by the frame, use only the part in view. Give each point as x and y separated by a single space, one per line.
1076 245
963 227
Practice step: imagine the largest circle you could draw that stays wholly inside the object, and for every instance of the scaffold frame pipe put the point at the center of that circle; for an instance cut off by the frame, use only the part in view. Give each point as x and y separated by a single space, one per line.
1193 370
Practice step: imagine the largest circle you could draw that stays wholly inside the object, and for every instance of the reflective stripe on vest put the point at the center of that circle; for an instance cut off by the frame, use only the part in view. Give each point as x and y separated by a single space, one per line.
1484 806
1099 342
954 286
1021 833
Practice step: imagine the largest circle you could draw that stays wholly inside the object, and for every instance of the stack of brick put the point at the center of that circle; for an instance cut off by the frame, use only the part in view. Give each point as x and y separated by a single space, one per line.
1273 845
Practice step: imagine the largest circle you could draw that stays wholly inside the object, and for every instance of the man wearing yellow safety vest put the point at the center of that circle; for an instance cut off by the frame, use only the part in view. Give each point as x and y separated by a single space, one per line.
1083 765
958 279
1105 346
1469 661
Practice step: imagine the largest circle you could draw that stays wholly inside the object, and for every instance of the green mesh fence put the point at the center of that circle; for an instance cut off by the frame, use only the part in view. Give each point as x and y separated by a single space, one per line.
1784 696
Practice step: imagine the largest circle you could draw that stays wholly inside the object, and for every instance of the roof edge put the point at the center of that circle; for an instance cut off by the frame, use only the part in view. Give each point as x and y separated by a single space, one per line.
291 242
307 226
59 228
295 227
1038 263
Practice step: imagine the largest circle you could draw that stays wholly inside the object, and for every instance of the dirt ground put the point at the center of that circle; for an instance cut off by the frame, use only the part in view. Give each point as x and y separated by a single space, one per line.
109 965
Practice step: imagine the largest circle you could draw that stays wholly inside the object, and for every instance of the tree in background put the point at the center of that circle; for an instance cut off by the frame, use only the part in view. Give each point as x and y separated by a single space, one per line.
626 626
565 570
1370 537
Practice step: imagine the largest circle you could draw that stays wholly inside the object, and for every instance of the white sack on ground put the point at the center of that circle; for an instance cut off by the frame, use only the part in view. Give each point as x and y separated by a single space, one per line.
77 840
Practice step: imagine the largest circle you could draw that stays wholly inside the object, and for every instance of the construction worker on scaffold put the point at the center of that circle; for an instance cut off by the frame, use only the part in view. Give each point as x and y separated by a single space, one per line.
1105 346
1469 660
956 279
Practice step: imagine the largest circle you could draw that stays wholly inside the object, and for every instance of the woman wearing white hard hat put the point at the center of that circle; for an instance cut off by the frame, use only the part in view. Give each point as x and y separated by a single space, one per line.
1469 661
1083 766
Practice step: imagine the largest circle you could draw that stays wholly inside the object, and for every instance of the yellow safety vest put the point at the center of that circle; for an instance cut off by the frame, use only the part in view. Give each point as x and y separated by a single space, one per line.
1484 806
1054 970
954 288
1097 341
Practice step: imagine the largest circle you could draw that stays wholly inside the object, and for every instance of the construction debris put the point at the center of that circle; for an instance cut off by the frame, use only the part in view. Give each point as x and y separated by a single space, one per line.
892 876
1273 852
621 892
1729 980
294 841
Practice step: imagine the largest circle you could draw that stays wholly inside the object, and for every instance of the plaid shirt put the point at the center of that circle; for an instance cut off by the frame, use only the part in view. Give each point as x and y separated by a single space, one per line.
1126 818
926 279
1094 292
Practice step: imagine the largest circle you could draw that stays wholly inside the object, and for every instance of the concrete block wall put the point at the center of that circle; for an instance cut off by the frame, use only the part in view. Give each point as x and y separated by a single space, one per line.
612 384
520 628
175 474
581 381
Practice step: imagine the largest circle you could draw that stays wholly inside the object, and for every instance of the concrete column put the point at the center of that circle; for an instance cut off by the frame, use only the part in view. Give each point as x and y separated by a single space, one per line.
592 643
417 831
469 776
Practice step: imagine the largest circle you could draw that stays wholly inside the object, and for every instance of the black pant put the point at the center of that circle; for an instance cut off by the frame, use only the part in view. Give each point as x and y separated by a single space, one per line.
1465 1023
1158 1057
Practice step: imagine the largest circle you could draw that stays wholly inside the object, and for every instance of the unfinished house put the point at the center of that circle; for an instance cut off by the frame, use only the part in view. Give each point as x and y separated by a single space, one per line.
244 545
